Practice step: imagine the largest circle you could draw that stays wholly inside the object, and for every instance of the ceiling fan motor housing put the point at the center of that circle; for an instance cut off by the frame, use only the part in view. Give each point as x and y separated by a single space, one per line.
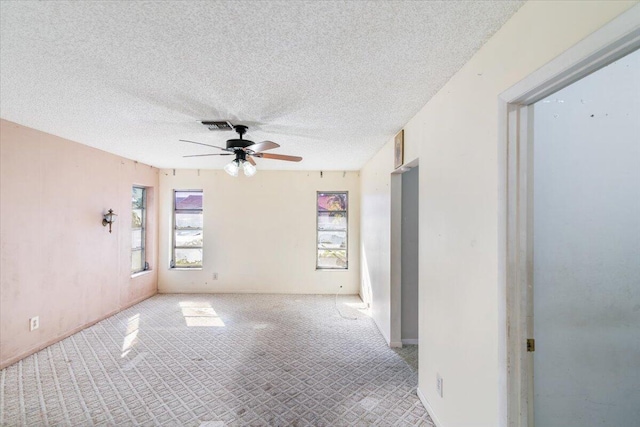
238 143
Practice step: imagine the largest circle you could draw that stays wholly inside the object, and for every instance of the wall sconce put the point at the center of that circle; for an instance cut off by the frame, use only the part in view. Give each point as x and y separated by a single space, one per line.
109 218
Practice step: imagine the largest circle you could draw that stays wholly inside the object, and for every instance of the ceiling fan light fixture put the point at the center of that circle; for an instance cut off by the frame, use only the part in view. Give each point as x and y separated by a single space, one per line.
249 169
232 168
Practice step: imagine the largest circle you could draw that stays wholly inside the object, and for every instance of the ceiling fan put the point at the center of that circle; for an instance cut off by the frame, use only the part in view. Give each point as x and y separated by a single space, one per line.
244 150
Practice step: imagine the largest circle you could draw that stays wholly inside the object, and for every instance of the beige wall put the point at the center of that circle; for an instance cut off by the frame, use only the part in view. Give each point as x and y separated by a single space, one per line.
259 232
57 260
455 137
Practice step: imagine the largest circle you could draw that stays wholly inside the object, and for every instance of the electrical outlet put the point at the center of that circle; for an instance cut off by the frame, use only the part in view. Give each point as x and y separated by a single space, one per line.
215 276
439 385
34 323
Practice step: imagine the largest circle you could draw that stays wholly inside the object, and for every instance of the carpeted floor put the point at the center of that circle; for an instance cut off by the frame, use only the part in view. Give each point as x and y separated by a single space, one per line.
219 361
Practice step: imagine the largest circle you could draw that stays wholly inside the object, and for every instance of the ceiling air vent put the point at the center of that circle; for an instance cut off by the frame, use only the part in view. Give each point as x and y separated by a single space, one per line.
217 125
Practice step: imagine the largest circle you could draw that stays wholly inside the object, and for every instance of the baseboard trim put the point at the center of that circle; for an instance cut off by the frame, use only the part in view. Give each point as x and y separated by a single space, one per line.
250 291
429 409
410 341
67 334
395 344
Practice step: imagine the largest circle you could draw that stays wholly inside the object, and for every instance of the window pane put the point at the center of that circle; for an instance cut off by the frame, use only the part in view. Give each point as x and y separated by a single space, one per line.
332 240
184 220
332 202
138 205
332 259
188 258
188 238
136 261
136 218
137 198
332 221
332 230
188 200
136 239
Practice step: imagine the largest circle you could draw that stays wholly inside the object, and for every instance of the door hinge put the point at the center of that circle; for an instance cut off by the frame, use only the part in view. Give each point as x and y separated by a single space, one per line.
531 344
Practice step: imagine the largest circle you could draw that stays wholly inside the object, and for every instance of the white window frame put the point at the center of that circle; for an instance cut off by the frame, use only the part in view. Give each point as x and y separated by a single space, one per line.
174 228
318 230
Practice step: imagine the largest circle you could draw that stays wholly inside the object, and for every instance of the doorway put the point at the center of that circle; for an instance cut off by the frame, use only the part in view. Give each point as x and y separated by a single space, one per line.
404 308
586 250
410 260
572 232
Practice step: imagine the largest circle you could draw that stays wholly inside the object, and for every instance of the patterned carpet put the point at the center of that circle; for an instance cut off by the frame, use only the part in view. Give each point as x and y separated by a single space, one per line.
219 361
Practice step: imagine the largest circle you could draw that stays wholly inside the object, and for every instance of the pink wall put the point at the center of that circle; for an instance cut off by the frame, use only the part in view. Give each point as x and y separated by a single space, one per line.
57 261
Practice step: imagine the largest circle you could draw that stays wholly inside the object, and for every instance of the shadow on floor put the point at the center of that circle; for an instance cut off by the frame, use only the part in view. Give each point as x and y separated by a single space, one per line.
409 354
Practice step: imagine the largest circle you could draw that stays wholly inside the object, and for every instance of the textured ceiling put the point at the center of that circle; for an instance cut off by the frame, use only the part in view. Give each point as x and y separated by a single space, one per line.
329 81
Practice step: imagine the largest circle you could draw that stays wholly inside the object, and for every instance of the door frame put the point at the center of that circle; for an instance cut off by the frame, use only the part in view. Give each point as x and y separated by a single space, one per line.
608 44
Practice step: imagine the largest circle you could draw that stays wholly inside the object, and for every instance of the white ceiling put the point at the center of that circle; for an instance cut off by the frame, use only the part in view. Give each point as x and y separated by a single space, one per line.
329 81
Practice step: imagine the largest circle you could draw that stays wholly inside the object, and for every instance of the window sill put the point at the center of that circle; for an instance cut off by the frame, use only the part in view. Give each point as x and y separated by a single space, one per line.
185 268
332 269
140 273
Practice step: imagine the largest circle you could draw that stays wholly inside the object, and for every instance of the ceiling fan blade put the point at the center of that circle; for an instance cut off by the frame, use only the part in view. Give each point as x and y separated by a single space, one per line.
206 145
204 155
279 157
262 146
250 160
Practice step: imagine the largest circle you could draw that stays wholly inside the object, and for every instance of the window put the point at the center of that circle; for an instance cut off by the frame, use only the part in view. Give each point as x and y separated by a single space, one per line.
332 230
138 225
187 229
